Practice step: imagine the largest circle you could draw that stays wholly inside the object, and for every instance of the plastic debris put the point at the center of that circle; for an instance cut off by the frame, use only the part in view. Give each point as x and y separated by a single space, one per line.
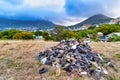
104 70
44 60
38 58
73 55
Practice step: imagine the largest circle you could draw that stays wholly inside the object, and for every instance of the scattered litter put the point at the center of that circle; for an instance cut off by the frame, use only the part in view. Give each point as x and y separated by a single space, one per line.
44 60
104 70
110 65
43 70
83 73
73 55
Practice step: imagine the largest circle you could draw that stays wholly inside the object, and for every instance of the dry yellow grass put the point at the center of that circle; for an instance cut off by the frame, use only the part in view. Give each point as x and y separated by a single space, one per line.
17 59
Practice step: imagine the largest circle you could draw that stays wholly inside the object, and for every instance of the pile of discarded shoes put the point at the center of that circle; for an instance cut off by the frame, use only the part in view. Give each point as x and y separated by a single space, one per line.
73 55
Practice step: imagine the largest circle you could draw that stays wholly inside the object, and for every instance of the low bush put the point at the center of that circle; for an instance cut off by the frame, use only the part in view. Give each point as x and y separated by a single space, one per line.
114 38
117 56
23 35
16 34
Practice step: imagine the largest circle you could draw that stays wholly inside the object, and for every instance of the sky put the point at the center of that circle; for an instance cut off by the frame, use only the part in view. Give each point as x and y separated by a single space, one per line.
64 12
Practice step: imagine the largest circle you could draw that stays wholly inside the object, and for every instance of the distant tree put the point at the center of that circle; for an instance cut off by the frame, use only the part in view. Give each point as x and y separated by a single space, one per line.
38 33
108 28
23 35
66 34
0 35
8 34
93 32
82 33
12 32
59 33
45 33
4 32
91 27
46 36
58 29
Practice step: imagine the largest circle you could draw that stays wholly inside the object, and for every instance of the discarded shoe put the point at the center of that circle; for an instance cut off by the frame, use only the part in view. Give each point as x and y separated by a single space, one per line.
72 55
43 70
90 71
110 65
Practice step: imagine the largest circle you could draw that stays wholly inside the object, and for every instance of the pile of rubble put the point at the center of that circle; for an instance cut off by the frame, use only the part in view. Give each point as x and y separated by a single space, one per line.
75 56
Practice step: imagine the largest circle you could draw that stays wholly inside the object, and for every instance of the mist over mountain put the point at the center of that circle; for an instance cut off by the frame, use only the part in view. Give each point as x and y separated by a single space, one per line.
38 24
45 24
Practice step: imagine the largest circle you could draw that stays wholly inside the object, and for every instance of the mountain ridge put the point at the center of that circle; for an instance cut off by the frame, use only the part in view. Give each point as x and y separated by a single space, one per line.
14 23
95 19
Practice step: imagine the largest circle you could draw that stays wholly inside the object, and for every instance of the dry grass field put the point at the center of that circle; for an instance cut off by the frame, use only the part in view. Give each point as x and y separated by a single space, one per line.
17 60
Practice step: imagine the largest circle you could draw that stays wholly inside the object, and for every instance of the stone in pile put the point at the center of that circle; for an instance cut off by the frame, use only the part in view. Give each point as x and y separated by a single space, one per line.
73 55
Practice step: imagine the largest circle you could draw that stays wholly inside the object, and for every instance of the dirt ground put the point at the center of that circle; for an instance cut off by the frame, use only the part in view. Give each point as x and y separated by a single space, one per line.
17 60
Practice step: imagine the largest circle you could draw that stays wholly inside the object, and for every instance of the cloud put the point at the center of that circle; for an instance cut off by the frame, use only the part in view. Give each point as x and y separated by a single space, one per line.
86 8
59 11
44 3
13 2
68 21
46 9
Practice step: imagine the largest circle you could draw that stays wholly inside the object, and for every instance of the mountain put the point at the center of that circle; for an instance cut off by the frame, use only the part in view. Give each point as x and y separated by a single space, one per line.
24 24
96 19
118 18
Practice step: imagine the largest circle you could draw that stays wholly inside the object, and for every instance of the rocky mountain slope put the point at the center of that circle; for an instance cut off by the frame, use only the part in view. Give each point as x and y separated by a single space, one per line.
96 19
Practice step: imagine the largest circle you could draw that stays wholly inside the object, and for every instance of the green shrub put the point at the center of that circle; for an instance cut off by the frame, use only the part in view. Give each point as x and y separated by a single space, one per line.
66 34
79 78
59 33
82 33
5 37
46 36
0 35
94 39
52 73
91 27
23 35
108 28
114 78
8 34
117 56
114 38
38 33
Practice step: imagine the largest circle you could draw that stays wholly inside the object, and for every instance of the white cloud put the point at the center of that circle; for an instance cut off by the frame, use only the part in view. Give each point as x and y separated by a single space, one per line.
67 21
56 10
44 3
57 5
54 4
86 8
113 10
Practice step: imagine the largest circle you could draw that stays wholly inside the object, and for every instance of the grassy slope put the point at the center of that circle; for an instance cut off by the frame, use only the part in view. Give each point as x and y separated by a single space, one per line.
17 60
